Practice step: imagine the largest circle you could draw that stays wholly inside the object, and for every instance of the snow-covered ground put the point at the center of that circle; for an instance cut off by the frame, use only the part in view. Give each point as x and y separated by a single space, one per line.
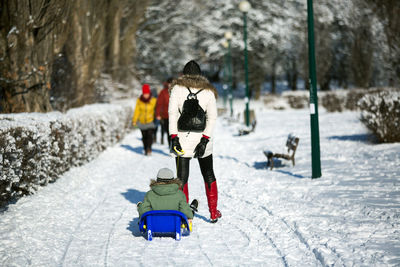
348 217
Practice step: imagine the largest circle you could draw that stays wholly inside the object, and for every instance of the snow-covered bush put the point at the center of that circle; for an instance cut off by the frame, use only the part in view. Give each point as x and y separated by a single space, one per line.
333 101
344 99
35 148
297 99
354 95
380 112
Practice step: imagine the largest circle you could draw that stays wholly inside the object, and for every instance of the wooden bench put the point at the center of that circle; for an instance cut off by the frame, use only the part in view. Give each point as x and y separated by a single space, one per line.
291 143
252 120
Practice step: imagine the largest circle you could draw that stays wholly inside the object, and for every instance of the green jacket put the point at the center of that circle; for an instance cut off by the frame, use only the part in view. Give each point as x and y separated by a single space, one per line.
165 196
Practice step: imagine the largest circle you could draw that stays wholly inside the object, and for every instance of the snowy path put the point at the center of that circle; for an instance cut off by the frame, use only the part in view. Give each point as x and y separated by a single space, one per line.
270 218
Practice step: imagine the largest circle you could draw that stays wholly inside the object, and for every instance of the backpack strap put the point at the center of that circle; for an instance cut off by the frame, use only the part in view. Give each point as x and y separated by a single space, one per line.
191 95
199 91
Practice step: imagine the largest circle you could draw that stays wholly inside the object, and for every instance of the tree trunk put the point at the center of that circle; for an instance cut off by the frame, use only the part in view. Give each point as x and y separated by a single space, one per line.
257 90
361 53
389 12
129 26
57 50
112 51
85 48
294 81
30 36
273 83
273 78
292 74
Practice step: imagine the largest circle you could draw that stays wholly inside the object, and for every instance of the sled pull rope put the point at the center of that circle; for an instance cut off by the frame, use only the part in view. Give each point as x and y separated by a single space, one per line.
177 165
179 153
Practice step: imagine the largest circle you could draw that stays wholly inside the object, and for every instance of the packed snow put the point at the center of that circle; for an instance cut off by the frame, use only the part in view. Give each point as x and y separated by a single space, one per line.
280 217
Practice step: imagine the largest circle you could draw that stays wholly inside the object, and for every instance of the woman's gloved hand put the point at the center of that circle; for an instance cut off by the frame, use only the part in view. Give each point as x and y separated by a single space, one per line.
176 146
201 147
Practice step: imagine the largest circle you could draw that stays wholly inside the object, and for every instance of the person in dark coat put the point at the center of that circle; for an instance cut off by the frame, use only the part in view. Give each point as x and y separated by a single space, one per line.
162 110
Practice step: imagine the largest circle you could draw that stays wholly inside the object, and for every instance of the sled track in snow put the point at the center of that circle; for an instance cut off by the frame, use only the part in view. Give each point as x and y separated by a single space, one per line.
243 233
202 250
317 254
110 234
260 230
276 241
90 215
294 229
78 227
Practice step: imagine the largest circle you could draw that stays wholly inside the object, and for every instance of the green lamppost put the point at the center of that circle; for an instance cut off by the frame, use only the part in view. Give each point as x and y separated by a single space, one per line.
315 151
244 7
226 71
228 38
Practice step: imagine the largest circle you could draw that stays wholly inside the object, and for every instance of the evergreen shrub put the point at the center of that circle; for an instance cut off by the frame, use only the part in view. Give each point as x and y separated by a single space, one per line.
380 112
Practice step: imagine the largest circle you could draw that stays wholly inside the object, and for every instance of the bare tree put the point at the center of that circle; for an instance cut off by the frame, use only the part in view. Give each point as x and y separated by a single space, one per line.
388 12
53 52
31 33
361 53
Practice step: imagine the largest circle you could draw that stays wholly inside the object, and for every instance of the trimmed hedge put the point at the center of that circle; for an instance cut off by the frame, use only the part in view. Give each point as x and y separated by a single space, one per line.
36 148
380 112
332 101
380 107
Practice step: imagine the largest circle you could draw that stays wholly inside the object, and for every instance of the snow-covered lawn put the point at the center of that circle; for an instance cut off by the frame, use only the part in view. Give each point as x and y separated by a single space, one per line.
349 217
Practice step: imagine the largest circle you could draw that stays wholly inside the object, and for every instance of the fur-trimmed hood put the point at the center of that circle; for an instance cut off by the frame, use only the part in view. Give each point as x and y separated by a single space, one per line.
194 81
177 181
165 188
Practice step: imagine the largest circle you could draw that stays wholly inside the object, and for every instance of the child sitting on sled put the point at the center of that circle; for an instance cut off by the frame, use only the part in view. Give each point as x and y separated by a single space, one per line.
165 194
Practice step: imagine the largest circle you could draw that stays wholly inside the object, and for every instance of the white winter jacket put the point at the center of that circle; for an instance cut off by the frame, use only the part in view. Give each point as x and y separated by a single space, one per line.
207 100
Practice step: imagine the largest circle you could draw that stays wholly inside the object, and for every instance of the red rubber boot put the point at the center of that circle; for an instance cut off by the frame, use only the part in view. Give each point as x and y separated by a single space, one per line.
186 192
212 199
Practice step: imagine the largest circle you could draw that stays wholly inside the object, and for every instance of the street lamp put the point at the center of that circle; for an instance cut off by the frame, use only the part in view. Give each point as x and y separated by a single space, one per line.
244 7
225 86
228 38
315 149
228 35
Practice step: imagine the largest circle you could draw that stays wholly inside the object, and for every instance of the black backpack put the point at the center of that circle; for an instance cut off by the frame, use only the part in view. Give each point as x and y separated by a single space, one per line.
193 117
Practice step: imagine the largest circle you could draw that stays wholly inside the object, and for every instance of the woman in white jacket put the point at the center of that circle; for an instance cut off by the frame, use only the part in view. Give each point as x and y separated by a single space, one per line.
188 139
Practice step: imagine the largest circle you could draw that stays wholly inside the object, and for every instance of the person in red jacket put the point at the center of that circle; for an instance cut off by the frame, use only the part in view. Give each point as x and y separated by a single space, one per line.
162 110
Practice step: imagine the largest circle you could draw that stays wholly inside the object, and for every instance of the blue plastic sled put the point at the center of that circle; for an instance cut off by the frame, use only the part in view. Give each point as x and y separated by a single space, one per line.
164 223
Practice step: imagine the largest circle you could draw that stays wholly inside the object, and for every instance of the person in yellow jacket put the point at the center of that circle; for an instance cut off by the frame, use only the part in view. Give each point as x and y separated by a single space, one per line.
143 117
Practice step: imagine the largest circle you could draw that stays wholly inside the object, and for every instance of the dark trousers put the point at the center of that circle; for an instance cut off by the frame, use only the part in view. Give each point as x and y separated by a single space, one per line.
206 167
165 129
155 134
147 138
